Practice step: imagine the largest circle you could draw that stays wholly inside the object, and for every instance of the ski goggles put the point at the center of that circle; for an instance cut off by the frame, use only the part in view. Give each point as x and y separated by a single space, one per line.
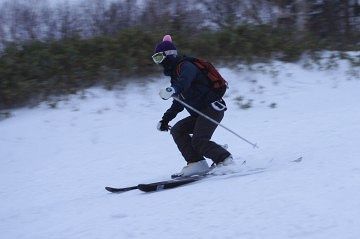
160 56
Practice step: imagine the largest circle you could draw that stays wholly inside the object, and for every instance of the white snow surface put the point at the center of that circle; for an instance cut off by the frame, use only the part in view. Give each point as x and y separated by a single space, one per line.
55 163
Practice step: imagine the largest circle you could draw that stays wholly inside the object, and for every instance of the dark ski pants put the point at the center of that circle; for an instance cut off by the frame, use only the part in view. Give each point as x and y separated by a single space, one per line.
194 148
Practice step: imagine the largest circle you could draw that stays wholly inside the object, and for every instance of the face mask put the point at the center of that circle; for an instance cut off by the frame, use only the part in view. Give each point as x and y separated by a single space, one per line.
168 63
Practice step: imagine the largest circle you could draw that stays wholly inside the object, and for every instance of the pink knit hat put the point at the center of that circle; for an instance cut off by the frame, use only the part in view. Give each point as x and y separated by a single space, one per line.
166 46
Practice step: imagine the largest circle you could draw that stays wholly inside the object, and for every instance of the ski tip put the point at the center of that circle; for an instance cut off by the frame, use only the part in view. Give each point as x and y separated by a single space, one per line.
119 190
109 189
298 160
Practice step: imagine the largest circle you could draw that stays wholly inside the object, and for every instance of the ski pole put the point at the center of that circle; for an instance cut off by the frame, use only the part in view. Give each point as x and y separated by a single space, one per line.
214 121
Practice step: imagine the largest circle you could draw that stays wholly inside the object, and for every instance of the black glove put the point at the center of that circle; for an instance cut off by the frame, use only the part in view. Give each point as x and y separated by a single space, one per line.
163 125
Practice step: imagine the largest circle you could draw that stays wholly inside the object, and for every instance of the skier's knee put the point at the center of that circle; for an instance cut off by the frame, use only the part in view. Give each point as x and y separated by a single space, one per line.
196 143
174 131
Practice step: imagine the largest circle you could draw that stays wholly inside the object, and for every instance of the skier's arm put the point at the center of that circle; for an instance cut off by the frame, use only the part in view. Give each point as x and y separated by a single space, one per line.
171 113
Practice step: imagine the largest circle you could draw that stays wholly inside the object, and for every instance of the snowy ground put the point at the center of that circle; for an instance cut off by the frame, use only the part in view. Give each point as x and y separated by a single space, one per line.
56 162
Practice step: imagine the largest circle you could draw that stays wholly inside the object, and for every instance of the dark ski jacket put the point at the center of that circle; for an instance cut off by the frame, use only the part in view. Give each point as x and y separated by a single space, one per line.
191 86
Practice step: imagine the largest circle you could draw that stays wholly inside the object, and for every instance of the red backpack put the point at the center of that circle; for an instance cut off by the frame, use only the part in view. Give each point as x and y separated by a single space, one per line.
218 83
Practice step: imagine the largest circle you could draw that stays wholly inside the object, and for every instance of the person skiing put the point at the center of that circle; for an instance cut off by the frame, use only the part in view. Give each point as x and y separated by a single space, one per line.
190 85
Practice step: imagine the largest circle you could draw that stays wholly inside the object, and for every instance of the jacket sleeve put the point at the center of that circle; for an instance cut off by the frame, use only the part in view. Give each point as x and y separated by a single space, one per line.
187 74
171 113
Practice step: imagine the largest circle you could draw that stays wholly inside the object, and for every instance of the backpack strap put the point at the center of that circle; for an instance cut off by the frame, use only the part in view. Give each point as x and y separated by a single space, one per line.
178 67
181 62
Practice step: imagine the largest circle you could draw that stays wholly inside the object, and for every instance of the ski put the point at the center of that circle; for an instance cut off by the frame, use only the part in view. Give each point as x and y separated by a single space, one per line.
172 183
180 181
156 186
120 190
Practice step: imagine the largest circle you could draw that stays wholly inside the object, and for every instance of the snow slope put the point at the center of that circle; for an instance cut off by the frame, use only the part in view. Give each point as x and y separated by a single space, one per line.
56 162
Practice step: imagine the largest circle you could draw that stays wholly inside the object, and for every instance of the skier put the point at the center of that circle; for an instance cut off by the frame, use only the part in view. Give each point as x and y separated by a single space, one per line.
191 86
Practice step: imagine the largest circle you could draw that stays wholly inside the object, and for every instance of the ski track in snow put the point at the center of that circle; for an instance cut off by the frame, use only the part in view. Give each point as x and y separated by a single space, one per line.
56 162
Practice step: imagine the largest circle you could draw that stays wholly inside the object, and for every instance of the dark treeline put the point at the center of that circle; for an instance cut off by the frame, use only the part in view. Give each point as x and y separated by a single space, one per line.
48 50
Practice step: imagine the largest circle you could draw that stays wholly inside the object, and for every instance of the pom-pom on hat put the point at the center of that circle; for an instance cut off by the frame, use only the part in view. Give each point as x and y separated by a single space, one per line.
166 46
167 38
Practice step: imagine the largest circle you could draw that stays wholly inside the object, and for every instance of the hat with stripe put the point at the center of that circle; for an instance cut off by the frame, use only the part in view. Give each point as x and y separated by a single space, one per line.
166 46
